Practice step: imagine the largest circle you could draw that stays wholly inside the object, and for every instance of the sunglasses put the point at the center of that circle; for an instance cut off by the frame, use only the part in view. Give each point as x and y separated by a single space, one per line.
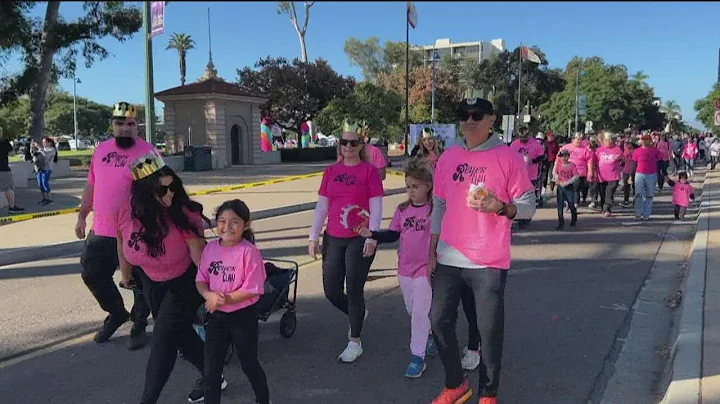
162 190
352 143
476 115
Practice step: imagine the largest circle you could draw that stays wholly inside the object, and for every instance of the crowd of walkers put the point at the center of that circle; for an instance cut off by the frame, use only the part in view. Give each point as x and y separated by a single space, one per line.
454 233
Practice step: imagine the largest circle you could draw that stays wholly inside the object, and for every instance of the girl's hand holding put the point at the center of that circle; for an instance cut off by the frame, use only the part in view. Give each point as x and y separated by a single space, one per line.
363 231
369 248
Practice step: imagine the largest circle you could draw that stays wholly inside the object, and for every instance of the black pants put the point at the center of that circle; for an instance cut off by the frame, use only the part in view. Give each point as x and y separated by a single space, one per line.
343 263
714 161
174 304
594 191
468 304
662 167
607 195
241 329
626 178
679 162
581 190
566 194
545 169
99 262
680 212
488 287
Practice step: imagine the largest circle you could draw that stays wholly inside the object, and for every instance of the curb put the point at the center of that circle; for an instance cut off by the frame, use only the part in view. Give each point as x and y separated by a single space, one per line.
40 253
685 370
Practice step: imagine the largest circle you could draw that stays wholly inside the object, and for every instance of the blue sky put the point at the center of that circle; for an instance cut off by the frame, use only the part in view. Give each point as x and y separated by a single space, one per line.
675 43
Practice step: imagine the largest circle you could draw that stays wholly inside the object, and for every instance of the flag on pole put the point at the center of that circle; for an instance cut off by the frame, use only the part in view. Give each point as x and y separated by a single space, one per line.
411 14
157 18
527 54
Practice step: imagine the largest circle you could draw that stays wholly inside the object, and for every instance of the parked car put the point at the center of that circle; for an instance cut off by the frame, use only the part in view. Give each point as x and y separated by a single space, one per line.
64 145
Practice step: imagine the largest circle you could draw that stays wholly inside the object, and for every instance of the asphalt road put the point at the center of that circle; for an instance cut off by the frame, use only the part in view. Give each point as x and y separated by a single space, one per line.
567 298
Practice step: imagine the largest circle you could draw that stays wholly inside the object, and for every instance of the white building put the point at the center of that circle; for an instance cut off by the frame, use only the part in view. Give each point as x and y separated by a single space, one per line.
478 51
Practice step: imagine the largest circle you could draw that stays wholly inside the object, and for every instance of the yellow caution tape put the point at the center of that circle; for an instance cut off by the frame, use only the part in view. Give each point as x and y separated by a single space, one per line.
229 188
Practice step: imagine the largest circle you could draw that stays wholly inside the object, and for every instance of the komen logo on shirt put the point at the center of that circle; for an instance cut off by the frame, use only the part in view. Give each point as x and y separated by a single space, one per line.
346 178
414 223
475 174
137 240
607 158
119 160
217 268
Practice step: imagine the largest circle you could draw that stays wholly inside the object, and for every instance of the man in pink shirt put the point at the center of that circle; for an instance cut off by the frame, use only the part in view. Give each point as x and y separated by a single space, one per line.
479 187
108 186
663 147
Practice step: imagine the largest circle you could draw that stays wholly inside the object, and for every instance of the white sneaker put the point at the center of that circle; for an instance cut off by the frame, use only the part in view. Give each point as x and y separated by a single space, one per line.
352 352
364 319
470 359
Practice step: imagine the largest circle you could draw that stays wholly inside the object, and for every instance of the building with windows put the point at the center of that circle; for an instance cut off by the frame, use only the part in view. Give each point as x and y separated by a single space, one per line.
477 51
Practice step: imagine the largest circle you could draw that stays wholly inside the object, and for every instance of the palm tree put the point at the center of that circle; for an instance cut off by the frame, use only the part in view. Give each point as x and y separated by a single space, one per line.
672 111
182 43
640 76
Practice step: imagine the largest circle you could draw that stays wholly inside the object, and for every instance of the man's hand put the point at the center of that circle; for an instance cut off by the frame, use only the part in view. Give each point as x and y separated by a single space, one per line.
80 228
487 203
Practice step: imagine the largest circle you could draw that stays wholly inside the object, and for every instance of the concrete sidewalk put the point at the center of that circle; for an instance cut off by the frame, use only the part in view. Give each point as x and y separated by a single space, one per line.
693 373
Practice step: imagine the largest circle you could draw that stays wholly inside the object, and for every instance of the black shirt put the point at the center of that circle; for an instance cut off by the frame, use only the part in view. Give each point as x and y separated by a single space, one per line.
5 149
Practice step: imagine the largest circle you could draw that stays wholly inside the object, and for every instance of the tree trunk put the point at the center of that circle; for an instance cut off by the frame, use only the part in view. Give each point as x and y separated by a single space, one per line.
303 49
182 69
47 52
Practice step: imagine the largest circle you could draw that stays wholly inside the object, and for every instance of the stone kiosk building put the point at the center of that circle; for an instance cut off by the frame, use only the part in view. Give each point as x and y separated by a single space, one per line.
217 114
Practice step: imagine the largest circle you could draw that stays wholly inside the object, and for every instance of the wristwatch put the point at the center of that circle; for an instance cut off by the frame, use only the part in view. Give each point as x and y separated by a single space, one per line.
503 210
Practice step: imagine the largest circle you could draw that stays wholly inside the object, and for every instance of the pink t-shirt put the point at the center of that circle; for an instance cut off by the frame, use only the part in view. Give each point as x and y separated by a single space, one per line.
174 257
529 150
413 223
690 151
565 172
227 269
483 238
375 156
585 143
579 155
681 194
664 149
345 186
609 163
646 158
594 159
111 178
627 154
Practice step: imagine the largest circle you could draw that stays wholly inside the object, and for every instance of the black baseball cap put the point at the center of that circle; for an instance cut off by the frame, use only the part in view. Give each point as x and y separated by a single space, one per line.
478 104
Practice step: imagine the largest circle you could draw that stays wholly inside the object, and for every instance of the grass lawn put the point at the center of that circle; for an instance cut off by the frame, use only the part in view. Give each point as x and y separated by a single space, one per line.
63 154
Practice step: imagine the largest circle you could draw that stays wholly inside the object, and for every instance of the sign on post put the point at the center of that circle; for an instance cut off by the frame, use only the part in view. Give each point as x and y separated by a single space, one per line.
588 127
717 118
157 18
582 105
717 104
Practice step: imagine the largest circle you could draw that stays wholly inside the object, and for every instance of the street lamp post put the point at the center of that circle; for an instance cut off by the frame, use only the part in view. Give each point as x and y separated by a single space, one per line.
435 57
577 100
76 81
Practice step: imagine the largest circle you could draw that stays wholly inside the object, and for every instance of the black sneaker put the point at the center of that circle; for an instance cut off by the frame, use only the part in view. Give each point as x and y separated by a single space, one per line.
560 227
15 209
47 202
198 393
138 336
42 201
109 327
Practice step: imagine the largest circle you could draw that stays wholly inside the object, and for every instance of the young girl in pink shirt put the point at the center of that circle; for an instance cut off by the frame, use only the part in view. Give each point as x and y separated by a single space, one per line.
231 278
411 224
682 194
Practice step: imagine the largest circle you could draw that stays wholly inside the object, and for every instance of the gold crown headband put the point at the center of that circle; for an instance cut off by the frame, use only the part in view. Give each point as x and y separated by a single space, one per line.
355 127
428 132
146 165
124 110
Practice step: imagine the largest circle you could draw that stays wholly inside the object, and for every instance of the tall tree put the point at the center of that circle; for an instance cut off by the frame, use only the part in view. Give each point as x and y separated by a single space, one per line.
672 112
373 59
182 43
296 91
288 8
50 50
705 109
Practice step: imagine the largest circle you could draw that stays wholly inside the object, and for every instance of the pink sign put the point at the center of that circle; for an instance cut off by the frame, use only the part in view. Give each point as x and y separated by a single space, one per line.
157 18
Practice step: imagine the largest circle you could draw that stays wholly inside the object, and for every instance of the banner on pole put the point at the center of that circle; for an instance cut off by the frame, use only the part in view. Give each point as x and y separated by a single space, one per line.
582 105
157 18
445 134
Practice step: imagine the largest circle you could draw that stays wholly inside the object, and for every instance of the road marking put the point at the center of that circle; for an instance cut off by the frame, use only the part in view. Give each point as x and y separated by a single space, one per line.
228 188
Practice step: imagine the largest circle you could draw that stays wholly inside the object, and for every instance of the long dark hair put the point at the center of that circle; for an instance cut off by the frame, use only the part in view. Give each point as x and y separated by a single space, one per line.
52 144
153 215
239 208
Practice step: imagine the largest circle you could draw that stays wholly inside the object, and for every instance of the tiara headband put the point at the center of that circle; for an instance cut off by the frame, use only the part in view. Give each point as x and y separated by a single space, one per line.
124 110
146 165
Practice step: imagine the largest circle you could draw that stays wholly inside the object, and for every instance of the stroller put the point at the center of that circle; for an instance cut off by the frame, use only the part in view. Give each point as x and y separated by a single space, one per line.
277 297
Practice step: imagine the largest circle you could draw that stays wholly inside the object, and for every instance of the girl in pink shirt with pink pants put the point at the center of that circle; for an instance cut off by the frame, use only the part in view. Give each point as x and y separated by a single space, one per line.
411 224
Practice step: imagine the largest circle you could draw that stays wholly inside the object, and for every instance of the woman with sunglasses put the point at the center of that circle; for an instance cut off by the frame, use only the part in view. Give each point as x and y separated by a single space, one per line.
350 197
160 239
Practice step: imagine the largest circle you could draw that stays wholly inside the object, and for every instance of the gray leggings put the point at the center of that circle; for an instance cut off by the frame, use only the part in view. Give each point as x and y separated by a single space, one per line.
343 263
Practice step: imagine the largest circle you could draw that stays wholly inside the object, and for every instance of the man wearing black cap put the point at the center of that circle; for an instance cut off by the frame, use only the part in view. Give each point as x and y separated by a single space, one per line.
480 186
108 185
